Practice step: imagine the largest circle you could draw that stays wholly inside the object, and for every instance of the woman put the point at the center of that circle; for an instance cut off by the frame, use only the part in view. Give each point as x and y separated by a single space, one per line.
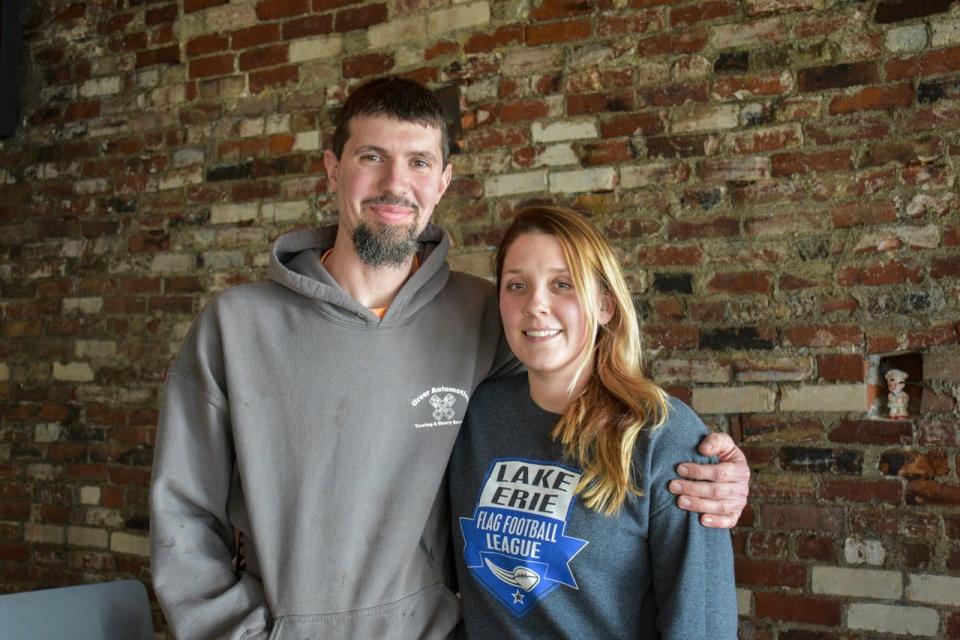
562 522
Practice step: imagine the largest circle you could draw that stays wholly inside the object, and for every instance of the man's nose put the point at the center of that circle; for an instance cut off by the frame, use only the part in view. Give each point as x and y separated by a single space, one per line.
395 178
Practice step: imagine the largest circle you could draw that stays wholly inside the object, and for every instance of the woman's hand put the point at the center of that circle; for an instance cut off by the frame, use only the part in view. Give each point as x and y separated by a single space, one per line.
717 491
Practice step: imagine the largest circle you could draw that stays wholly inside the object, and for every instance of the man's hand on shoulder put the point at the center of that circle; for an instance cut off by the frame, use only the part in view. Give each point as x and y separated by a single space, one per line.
717 491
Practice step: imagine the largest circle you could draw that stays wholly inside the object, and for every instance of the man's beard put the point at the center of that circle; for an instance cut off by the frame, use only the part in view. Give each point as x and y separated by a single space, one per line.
385 245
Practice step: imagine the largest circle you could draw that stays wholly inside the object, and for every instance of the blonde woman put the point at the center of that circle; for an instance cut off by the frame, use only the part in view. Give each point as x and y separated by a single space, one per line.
562 521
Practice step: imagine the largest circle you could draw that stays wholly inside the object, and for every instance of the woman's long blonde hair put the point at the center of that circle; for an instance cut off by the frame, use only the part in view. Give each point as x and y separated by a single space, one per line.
600 426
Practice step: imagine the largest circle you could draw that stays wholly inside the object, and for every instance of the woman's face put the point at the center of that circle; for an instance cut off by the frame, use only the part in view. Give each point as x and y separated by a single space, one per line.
542 314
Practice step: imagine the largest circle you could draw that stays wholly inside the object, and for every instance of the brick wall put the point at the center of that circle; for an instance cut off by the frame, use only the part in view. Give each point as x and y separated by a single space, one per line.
780 177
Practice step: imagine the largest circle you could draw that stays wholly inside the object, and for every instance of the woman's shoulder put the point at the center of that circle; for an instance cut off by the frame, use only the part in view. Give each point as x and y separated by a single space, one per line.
677 438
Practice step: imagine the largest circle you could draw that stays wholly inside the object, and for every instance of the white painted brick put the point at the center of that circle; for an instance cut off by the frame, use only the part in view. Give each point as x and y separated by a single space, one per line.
934 589
285 211
526 61
181 178
743 602
738 34
90 495
230 213
223 260
917 621
859 583
707 118
228 17
316 48
558 131
583 180
121 542
683 370
482 90
747 399
909 38
95 348
515 183
102 517
468 15
836 397
47 432
278 123
100 87
92 186
251 127
87 537
927 237
397 31
655 174
857 551
187 157
42 471
306 141
171 263
944 32
72 372
557 155
773 369
478 263
4 372
48 533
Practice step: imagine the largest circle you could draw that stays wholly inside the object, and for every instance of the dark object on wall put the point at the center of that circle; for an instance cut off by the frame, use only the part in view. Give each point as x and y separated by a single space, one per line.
9 66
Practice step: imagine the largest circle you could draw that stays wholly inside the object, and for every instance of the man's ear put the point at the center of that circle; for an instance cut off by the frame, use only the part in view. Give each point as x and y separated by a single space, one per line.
330 163
445 179
606 308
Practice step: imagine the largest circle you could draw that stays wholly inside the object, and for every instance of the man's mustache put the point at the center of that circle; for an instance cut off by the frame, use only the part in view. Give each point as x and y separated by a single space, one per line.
393 201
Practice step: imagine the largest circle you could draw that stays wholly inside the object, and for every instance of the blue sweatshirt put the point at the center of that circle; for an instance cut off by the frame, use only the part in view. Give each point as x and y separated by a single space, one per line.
533 562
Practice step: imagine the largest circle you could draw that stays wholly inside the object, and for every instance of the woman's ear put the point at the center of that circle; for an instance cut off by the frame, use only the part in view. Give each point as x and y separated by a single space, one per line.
606 308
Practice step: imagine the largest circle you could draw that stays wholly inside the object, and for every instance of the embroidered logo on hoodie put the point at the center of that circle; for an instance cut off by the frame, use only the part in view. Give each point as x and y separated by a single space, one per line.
440 407
515 544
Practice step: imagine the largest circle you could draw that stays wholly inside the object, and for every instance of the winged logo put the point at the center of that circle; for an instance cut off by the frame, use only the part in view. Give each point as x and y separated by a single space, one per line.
521 576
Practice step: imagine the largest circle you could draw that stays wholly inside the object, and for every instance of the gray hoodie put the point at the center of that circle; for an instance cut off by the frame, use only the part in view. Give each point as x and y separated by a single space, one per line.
320 432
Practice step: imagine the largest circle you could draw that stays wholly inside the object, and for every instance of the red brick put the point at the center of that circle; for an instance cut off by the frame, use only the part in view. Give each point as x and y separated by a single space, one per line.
743 282
671 336
640 22
768 573
360 18
308 26
161 15
442 48
678 146
484 43
890 11
874 98
823 335
254 36
668 95
523 110
836 76
928 492
883 273
371 64
914 465
189 6
739 87
689 229
556 32
648 123
260 80
165 55
674 43
263 57
791 608
493 138
207 44
553 9
669 255
600 103
844 130
945 268
802 517
813 547
273 9
710 10
71 12
861 213
841 367
605 152
890 492
872 432
789 164
927 64
211 66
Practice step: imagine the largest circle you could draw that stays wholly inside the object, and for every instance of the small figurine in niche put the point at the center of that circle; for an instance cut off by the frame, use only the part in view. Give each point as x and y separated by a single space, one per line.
897 399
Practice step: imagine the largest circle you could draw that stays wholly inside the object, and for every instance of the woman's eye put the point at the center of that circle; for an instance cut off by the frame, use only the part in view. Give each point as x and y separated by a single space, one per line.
515 286
562 284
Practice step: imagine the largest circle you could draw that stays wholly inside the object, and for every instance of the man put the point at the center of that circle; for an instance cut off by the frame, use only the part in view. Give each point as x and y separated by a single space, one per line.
315 413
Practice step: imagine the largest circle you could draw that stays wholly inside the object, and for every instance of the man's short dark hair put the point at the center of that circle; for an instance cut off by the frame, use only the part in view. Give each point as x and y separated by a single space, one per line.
398 98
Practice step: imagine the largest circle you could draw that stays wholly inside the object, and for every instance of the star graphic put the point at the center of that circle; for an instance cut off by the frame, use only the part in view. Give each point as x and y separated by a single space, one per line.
517 597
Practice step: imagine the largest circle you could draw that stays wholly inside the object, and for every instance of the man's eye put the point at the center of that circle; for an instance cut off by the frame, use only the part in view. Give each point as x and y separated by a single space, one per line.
371 157
421 164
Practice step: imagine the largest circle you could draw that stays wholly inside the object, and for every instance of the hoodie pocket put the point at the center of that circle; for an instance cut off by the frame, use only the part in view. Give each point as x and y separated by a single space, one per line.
429 614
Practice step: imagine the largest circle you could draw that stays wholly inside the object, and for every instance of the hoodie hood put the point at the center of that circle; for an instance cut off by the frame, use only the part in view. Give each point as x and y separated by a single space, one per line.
295 264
